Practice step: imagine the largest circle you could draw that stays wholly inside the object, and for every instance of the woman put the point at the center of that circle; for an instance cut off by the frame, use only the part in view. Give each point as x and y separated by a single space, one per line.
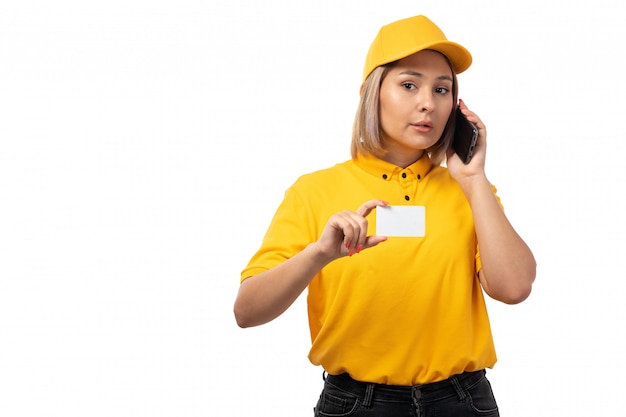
398 323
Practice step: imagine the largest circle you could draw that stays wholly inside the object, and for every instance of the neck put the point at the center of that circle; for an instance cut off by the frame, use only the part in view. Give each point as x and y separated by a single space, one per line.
402 160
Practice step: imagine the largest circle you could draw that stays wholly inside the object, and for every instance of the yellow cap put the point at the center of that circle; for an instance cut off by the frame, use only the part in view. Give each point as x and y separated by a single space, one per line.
405 37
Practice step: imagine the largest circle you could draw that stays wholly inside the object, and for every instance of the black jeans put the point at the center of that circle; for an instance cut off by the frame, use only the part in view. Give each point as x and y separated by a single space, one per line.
466 394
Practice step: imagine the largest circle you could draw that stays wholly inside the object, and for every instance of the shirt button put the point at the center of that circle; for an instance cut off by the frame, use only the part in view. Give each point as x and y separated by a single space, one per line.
407 198
419 177
417 394
404 175
384 176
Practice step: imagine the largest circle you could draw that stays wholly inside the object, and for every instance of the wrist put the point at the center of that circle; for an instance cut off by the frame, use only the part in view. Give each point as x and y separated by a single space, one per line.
475 185
318 256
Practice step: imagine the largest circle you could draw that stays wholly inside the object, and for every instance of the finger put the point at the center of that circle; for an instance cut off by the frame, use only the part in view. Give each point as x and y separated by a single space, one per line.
350 227
362 233
370 205
354 228
372 241
471 116
363 212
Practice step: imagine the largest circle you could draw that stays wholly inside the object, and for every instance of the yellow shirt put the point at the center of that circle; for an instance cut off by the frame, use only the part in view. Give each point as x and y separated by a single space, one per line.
408 311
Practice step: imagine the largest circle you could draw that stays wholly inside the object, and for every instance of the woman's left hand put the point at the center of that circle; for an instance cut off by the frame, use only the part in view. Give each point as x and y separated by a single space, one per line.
458 170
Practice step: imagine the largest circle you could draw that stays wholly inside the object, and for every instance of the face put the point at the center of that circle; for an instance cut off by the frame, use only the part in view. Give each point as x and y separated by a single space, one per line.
415 104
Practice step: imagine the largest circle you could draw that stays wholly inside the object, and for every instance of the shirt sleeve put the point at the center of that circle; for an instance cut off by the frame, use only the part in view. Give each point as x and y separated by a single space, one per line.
290 231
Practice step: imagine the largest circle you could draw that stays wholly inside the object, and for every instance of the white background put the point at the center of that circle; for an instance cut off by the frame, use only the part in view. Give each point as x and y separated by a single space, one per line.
144 146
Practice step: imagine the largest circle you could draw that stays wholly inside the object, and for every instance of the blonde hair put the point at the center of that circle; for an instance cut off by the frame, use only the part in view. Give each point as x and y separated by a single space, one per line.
367 134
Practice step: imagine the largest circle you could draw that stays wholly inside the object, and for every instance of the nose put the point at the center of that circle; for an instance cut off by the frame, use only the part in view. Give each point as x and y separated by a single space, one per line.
425 102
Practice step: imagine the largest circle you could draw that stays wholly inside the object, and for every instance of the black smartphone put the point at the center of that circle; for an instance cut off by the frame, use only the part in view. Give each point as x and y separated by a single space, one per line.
465 136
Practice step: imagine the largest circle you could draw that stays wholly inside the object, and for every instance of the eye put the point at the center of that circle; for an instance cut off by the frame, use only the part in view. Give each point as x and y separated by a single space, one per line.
441 90
409 86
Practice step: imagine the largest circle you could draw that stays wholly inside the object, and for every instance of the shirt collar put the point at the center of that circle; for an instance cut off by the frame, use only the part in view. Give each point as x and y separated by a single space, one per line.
386 170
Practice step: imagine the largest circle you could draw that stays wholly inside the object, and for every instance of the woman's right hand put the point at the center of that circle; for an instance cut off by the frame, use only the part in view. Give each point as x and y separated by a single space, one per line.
265 296
346 232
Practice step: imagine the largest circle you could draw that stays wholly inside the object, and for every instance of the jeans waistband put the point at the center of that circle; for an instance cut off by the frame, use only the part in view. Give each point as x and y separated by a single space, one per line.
455 385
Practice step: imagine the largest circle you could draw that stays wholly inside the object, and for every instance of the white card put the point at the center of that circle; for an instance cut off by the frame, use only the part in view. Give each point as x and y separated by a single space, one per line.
401 221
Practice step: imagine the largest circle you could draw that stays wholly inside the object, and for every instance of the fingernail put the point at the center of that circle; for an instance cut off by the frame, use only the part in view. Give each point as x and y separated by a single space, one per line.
351 252
347 245
358 249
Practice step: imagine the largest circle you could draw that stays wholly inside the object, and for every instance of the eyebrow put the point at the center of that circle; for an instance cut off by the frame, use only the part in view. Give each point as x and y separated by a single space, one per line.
419 74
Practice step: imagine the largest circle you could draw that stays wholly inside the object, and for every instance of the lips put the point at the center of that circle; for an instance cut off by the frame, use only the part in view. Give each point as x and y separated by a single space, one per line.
424 123
423 126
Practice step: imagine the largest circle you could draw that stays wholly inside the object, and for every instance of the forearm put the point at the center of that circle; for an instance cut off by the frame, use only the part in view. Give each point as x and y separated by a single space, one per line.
508 265
265 296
